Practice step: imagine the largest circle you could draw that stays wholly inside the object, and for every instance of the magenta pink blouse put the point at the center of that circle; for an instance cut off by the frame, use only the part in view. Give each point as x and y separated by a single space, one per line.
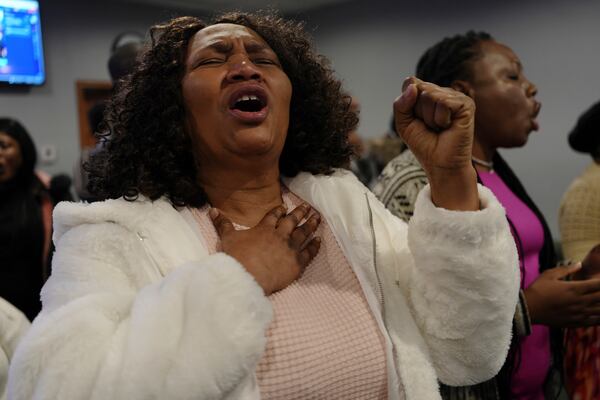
530 373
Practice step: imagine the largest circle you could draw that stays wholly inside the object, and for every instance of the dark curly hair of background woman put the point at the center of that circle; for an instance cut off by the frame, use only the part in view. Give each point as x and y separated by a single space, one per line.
146 148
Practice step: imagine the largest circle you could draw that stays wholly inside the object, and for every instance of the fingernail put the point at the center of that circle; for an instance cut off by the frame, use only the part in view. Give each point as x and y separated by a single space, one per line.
407 82
213 213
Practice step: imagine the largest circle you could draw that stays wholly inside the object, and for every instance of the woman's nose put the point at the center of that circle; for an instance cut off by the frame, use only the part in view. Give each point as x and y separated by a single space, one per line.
243 70
531 89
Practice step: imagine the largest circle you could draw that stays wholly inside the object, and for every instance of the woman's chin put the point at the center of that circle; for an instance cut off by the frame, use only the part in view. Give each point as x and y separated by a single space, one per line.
255 148
255 143
516 140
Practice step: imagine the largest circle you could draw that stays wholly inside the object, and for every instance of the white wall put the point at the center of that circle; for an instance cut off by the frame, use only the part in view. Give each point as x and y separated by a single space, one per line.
77 40
373 45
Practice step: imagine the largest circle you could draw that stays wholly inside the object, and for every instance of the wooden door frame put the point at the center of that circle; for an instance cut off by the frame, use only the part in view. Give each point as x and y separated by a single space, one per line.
89 93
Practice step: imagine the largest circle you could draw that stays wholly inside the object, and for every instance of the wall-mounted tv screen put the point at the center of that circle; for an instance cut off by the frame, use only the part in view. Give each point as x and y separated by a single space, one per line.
21 50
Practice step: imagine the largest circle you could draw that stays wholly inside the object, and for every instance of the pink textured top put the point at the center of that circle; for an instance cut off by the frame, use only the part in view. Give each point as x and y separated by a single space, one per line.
323 343
528 379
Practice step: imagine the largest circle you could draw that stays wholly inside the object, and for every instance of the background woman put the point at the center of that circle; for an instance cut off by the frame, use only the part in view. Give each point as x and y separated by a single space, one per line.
579 221
193 281
506 110
25 220
579 215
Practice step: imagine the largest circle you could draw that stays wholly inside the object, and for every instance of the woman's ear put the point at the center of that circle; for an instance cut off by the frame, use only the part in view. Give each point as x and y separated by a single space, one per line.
464 87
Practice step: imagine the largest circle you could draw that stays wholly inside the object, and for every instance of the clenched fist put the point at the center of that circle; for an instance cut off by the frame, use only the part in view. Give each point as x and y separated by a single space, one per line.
437 124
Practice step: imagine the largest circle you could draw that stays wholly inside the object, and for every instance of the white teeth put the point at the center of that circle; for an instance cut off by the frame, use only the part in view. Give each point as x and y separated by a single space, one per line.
247 98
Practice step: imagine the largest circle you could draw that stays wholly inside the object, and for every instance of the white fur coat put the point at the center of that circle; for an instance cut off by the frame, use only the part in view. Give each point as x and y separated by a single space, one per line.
13 325
137 309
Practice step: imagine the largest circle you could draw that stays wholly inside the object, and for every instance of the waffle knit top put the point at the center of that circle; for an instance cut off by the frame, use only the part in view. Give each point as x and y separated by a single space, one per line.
323 342
579 216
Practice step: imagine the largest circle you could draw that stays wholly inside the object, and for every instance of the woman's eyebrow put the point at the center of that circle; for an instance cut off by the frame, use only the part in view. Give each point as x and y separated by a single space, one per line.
519 65
226 47
256 47
221 47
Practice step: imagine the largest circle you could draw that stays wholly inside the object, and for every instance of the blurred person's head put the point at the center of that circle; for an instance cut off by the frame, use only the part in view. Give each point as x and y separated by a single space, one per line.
492 75
18 155
585 136
177 115
123 56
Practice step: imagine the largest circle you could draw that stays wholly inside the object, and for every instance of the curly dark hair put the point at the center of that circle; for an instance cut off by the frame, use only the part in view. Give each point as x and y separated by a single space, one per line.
146 149
448 59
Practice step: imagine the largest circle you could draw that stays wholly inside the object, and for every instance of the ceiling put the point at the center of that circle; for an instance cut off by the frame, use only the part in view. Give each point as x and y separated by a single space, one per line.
283 6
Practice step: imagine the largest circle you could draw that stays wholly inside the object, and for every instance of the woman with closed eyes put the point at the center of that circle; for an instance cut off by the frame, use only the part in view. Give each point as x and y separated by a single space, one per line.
234 259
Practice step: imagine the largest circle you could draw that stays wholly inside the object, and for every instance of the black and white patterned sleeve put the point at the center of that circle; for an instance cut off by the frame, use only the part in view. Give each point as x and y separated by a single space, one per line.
399 184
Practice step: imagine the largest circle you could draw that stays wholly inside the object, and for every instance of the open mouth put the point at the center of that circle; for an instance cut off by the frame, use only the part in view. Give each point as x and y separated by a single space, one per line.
249 104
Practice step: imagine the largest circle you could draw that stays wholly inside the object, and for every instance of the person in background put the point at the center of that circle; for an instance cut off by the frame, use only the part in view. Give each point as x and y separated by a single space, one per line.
371 155
361 163
122 62
197 278
400 182
579 221
579 214
385 148
25 220
124 51
506 109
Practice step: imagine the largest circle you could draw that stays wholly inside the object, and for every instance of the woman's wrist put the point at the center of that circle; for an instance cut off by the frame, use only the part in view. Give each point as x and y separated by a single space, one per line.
454 189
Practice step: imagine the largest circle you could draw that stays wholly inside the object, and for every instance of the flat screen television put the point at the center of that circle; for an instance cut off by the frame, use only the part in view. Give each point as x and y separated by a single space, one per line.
21 50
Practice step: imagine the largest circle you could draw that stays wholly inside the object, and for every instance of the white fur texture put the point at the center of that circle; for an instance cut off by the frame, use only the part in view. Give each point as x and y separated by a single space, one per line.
109 330
13 326
466 278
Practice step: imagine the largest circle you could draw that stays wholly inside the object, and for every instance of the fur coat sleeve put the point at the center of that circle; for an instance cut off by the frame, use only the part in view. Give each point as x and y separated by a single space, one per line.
464 287
117 333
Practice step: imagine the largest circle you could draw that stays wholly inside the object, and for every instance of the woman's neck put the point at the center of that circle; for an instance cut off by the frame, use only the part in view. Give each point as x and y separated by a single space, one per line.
484 154
243 197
